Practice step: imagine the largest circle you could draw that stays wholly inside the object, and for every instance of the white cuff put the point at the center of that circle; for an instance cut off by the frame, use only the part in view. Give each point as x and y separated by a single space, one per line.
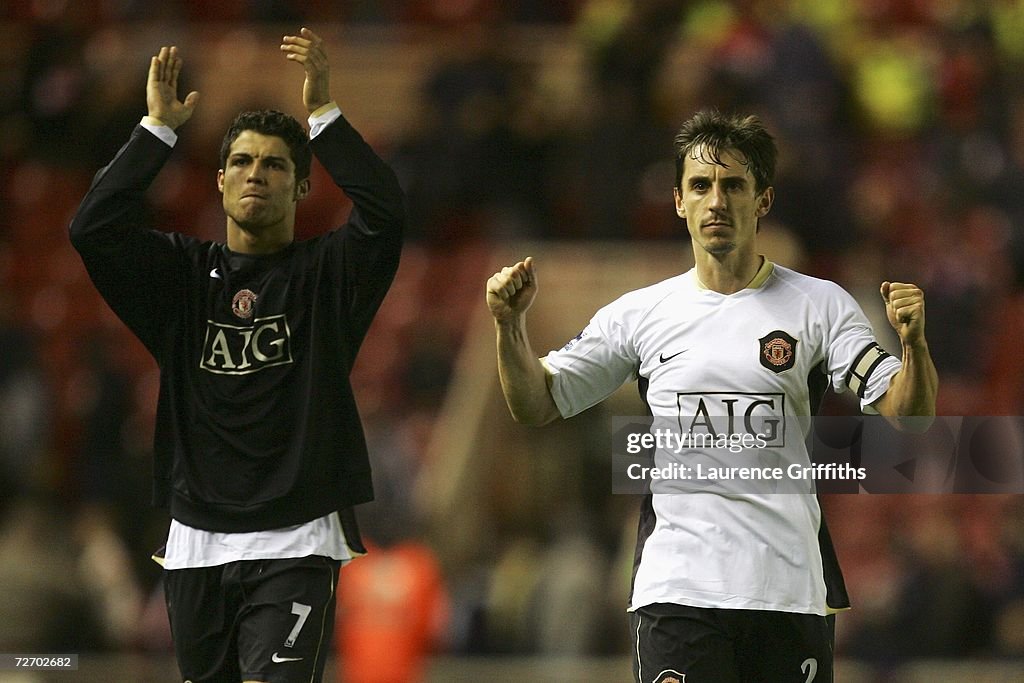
323 117
164 132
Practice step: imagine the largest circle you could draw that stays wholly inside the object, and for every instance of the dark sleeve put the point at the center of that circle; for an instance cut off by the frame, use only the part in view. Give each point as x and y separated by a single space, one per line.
369 246
134 268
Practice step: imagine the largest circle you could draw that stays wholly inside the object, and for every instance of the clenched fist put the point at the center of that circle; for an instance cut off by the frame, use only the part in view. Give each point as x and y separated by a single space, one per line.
511 291
904 306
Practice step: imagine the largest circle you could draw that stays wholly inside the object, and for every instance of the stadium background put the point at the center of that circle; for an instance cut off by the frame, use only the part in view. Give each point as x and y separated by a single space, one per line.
537 127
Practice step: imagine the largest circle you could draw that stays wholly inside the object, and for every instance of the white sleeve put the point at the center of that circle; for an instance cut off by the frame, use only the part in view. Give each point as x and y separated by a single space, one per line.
593 364
854 358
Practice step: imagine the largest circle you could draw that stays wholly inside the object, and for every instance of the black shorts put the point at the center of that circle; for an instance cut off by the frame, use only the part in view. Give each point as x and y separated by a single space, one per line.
255 620
676 643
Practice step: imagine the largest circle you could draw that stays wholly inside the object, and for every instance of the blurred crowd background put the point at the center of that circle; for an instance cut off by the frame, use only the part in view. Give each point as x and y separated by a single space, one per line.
901 130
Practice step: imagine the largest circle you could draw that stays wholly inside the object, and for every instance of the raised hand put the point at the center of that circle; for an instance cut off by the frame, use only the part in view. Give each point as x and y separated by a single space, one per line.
511 291
162 90
307 49
904 306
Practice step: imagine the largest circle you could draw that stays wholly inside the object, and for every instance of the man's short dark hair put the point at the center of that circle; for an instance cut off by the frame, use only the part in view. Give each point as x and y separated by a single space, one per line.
715 133
270 122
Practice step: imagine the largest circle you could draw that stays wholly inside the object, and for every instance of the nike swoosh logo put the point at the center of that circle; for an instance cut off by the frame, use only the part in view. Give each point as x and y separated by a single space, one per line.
216 273
664 359
277 659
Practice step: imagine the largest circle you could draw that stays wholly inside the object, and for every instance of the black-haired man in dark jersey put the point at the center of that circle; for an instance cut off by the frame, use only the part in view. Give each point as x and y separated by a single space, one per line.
259 450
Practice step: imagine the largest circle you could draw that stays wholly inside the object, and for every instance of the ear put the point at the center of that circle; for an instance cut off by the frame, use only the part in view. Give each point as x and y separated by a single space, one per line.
764 202
680 208
302 189
220 180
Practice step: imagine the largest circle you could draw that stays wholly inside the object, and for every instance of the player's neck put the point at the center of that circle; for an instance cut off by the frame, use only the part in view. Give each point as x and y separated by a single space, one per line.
729 273
242 241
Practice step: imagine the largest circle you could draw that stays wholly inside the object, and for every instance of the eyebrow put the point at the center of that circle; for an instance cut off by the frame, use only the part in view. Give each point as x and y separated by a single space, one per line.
247 155
707 179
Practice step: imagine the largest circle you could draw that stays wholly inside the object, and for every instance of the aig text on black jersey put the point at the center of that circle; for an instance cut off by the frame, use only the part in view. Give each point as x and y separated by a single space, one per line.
242 350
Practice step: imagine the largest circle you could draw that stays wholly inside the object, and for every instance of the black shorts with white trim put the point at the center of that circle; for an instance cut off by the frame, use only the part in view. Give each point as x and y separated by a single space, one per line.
253 620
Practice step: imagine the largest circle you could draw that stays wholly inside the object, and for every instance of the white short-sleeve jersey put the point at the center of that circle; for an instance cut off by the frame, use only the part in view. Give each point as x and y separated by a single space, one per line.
774 347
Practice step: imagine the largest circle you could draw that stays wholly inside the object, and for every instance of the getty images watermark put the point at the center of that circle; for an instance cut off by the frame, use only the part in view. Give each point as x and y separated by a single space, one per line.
858 454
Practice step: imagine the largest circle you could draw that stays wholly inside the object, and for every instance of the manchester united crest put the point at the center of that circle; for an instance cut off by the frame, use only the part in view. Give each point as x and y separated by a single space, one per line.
243 302
778 351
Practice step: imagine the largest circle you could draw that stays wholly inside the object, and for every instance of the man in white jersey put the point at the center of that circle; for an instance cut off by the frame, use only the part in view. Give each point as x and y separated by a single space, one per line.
727 586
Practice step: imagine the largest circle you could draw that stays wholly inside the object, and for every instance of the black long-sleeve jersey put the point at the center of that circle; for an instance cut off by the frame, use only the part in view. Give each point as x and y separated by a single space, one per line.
257 426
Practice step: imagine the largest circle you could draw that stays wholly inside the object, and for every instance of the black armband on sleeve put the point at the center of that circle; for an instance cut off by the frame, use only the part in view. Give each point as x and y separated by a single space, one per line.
865 363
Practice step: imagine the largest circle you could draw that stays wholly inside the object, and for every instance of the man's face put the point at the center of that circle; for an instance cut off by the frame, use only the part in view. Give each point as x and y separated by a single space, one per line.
258 183
719 202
